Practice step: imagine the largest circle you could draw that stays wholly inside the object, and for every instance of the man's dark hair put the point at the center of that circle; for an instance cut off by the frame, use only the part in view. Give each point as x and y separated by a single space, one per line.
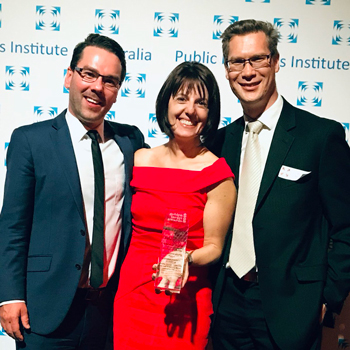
248 26
102 42
190 75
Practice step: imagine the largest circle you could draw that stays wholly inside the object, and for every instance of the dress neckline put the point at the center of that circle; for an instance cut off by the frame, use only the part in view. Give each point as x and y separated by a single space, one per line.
159 167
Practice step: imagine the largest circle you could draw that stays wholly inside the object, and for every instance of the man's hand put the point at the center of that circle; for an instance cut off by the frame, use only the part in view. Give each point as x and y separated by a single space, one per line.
10 314
323 313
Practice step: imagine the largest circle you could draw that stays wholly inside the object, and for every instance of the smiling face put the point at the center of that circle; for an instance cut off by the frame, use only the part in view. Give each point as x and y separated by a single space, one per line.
255 88
90 102
188 112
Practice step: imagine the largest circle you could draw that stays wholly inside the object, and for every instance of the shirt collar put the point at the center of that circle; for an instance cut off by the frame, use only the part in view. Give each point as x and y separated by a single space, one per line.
76 128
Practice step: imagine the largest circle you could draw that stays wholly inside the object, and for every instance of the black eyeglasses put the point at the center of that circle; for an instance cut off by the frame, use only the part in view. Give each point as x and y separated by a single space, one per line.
258 61
90 76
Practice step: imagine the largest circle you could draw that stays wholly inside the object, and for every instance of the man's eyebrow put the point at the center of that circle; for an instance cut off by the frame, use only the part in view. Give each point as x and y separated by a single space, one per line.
96 71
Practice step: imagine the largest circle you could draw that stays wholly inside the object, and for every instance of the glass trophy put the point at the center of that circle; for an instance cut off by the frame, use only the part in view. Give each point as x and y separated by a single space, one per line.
172 251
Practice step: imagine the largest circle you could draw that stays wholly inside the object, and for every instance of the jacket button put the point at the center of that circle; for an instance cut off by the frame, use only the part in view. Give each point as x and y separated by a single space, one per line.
78 267
82 232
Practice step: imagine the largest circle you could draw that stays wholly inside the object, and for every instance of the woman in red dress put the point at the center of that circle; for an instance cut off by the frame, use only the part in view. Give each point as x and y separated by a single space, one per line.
184 175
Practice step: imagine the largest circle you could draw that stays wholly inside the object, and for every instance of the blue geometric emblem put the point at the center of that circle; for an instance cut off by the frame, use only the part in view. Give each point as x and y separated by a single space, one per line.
0 14
107 21
260 1
309 93
346 127
43 113
166 24
153 128
48 18
17 78
287 28
221 23
225 121
134 85
321 2
65 90
341 33
2 332
110 115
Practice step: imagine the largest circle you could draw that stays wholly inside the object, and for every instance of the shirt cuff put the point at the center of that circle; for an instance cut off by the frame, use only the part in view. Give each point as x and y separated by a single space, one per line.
11 302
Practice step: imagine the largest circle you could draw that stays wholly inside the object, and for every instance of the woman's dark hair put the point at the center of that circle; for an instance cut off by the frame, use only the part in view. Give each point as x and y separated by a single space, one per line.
190 75
102 42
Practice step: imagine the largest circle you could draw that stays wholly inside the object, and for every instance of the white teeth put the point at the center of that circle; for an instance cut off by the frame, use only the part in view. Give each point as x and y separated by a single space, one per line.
92 101
186 122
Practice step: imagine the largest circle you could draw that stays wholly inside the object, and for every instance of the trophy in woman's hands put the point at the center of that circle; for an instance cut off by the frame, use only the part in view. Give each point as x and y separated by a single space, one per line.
172 252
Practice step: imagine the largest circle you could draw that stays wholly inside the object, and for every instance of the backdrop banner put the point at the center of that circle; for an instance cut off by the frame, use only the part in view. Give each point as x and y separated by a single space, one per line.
37 41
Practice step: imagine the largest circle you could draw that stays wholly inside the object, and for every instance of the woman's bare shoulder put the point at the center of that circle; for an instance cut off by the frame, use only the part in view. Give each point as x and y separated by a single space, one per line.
147 156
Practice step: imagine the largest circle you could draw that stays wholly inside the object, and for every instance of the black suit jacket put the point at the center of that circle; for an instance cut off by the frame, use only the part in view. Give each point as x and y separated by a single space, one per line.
42 224
294 221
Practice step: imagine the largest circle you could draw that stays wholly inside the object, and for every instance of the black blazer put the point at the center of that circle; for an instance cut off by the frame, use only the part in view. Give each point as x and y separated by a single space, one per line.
294 221
42 224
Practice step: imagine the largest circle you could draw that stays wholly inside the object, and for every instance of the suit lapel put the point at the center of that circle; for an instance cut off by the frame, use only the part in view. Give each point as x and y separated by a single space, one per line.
231 151
232 146
280 145
64 150
126 148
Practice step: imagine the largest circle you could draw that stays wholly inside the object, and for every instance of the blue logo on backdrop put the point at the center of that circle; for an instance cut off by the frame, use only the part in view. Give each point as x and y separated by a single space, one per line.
166 24
107 21
153 128
48 18
261 1
2 332
0 14
134 85
17 78
309 94
43 113
110 115
341 33
65 90
221 23
225 121
322 2
287 28
347 131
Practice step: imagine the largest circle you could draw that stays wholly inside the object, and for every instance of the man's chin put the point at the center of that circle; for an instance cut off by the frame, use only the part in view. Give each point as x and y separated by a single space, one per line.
249 99
91 120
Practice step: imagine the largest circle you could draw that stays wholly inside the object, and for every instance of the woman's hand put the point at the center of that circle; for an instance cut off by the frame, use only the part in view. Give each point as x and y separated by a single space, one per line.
170 270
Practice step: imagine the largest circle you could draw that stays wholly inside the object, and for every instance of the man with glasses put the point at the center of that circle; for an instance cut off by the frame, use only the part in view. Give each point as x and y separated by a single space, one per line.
279 274
65 223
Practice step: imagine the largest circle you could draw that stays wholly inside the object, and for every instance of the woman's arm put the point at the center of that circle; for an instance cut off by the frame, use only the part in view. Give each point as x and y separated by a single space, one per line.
217 217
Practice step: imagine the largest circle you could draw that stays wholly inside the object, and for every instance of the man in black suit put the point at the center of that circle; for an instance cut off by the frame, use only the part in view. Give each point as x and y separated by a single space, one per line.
278 275
48 297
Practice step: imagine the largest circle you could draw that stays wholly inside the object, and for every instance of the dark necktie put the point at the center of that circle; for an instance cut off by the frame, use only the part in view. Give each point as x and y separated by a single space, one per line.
97 247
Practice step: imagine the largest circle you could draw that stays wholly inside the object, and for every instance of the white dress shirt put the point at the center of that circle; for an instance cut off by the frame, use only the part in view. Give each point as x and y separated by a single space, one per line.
269 120
113 164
